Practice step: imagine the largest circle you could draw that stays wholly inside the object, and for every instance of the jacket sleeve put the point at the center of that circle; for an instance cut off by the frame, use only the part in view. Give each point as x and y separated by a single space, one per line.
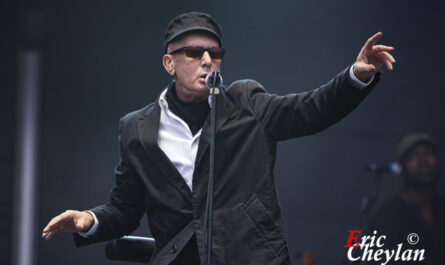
121 215
306 113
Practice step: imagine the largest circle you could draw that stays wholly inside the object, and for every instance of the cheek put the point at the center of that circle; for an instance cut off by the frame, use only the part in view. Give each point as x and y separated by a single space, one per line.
432 161
411 165
186 72
217 65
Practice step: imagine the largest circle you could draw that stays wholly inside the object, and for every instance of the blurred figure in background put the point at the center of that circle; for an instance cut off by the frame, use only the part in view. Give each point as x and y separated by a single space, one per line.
418 208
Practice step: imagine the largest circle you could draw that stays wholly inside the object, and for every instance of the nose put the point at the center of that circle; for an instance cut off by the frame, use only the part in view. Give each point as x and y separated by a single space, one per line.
206 59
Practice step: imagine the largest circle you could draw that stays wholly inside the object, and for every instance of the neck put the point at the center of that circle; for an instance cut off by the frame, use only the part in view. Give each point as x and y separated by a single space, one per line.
185 96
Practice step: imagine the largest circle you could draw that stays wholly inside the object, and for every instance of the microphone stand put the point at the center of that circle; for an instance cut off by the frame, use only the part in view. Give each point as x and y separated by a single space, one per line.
214 90
368 201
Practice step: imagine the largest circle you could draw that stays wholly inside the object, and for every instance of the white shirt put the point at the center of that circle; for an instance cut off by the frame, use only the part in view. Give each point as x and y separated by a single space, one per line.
179 144
177 141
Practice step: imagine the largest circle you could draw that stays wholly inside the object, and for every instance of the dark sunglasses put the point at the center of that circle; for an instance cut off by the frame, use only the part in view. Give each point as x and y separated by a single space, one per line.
197 52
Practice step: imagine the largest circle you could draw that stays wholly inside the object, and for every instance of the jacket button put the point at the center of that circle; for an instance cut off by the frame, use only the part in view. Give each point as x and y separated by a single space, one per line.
173 249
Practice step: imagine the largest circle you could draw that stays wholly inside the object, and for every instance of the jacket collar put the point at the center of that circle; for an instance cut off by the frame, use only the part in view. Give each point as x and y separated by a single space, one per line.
148 128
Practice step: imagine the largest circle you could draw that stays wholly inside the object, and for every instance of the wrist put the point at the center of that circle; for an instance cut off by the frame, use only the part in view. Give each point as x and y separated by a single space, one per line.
363 76
88 222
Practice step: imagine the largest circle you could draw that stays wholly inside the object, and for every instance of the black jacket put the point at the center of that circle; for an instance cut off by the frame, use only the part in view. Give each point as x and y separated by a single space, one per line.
247 219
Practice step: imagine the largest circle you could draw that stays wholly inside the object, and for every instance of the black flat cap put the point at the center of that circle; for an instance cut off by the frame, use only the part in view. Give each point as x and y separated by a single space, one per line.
192 21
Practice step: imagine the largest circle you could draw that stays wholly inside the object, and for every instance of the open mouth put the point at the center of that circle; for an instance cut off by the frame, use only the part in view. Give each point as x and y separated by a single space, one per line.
202 77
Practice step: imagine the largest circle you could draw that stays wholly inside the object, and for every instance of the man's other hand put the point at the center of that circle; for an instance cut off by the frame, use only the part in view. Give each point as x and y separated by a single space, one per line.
371 58
68 221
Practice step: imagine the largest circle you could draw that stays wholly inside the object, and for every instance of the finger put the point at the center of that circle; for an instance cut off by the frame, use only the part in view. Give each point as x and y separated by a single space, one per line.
54 222
371 41
388 56
47 235
388 65
57 221
383 48
51 234
387 62
52 230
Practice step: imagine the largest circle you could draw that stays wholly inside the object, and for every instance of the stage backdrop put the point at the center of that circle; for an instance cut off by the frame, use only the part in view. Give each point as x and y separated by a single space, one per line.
102 59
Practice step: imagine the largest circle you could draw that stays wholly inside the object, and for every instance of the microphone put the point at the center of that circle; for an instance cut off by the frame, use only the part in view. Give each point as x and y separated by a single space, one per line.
393 168
214 79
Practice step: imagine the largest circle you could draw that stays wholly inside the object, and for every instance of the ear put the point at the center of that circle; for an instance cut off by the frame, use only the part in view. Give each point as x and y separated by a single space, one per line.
169 65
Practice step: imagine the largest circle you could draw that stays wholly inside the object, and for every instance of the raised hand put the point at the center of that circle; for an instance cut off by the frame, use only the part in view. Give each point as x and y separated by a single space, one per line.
68 221
371 58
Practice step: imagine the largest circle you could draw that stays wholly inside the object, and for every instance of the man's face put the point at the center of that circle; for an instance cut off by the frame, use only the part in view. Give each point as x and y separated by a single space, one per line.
420 167
189 72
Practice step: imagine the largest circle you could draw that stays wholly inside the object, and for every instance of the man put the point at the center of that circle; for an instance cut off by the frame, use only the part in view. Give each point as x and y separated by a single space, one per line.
418 208
164 161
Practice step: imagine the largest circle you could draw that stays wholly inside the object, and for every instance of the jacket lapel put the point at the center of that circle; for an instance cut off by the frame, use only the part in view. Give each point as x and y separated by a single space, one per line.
148 127
224 108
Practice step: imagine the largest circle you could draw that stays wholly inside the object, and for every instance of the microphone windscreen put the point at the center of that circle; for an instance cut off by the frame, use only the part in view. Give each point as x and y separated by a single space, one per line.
214 79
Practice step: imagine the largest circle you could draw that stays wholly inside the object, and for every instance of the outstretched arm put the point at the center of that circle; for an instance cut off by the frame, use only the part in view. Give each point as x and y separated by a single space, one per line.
301 114
117 218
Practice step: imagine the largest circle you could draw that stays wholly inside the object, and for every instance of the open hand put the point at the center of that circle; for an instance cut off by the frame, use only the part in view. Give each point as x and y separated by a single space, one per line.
371 58
68 221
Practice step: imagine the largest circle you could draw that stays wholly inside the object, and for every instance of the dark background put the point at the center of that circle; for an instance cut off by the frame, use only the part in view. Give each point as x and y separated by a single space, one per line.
102 59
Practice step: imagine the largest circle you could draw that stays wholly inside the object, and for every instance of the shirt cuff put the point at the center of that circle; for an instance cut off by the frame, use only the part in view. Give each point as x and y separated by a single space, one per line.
357 83
93 229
